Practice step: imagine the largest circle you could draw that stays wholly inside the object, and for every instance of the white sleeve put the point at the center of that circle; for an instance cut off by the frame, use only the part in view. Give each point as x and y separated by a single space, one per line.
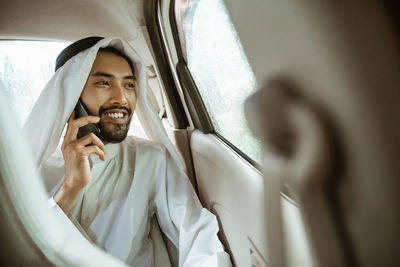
69 222
192 228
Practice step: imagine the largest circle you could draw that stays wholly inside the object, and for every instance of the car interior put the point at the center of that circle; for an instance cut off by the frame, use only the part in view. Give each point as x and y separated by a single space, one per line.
283 112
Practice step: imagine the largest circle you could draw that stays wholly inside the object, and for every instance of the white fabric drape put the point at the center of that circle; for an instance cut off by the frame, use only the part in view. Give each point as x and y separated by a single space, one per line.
136 183
137 188
25 193
46 122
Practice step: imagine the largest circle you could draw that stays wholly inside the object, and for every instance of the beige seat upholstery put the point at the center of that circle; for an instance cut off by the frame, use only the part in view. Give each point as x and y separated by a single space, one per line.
328 120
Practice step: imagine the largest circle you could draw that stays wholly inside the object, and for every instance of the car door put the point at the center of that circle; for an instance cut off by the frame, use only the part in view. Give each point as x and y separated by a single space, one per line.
210 79
329 58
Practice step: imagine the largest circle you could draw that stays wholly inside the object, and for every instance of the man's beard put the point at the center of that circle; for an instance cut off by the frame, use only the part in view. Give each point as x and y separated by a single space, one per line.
114 133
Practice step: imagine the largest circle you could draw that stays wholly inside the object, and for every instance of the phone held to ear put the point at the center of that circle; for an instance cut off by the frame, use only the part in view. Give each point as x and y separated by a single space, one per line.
80 111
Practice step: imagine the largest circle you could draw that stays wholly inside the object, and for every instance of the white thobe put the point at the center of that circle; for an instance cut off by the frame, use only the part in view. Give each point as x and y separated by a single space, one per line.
138 185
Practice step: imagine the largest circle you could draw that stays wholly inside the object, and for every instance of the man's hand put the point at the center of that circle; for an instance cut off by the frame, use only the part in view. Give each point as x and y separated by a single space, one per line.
76 156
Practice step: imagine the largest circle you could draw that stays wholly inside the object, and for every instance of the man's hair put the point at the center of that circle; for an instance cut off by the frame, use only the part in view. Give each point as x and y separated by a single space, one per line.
85 43
117 52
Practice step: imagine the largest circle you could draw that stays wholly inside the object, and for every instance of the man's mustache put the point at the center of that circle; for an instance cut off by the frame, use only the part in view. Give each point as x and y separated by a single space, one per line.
103 110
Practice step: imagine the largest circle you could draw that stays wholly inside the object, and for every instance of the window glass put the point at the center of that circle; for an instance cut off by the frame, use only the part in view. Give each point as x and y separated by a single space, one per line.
220 69
25 69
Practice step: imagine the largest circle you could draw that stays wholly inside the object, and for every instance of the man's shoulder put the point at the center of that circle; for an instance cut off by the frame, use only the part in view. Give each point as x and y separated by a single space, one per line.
143 144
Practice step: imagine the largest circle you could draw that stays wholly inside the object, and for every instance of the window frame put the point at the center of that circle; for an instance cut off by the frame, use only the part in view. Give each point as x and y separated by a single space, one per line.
197 108
194 101
152 15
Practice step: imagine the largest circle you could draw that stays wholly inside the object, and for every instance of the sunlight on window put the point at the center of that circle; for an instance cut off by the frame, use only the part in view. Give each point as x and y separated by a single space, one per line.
25 69
221 71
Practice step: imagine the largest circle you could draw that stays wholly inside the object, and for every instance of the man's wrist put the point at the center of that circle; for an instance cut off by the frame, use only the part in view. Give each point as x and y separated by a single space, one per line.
66 195
71 186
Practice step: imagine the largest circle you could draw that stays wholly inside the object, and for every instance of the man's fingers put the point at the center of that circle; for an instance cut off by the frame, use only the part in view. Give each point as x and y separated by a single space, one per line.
94 149
91 139
85 120
71 117
74 125
99 143
85 146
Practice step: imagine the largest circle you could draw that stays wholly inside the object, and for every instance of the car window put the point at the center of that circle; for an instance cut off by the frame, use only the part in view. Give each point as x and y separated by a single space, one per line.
25 69
220 69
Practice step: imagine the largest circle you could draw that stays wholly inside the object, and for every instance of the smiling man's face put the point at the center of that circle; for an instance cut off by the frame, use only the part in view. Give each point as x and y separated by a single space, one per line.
110 93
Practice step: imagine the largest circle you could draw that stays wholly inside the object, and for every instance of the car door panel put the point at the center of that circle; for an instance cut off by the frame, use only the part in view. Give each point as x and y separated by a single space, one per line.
234 190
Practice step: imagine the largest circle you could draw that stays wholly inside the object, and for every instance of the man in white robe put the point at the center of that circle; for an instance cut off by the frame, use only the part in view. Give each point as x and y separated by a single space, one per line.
119 191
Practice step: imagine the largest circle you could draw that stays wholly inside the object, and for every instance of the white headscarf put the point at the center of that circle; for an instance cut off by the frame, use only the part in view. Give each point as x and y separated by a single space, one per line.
48 118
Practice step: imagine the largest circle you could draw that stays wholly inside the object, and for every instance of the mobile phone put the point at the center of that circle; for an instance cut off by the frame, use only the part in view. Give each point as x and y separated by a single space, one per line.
80 111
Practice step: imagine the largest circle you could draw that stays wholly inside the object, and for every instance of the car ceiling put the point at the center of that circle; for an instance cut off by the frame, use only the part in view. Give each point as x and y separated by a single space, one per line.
70 20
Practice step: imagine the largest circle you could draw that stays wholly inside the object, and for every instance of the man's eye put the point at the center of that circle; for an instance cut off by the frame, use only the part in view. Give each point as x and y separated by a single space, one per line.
130 86
103 83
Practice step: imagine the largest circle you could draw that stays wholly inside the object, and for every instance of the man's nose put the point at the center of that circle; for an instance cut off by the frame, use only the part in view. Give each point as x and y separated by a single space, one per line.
118 95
